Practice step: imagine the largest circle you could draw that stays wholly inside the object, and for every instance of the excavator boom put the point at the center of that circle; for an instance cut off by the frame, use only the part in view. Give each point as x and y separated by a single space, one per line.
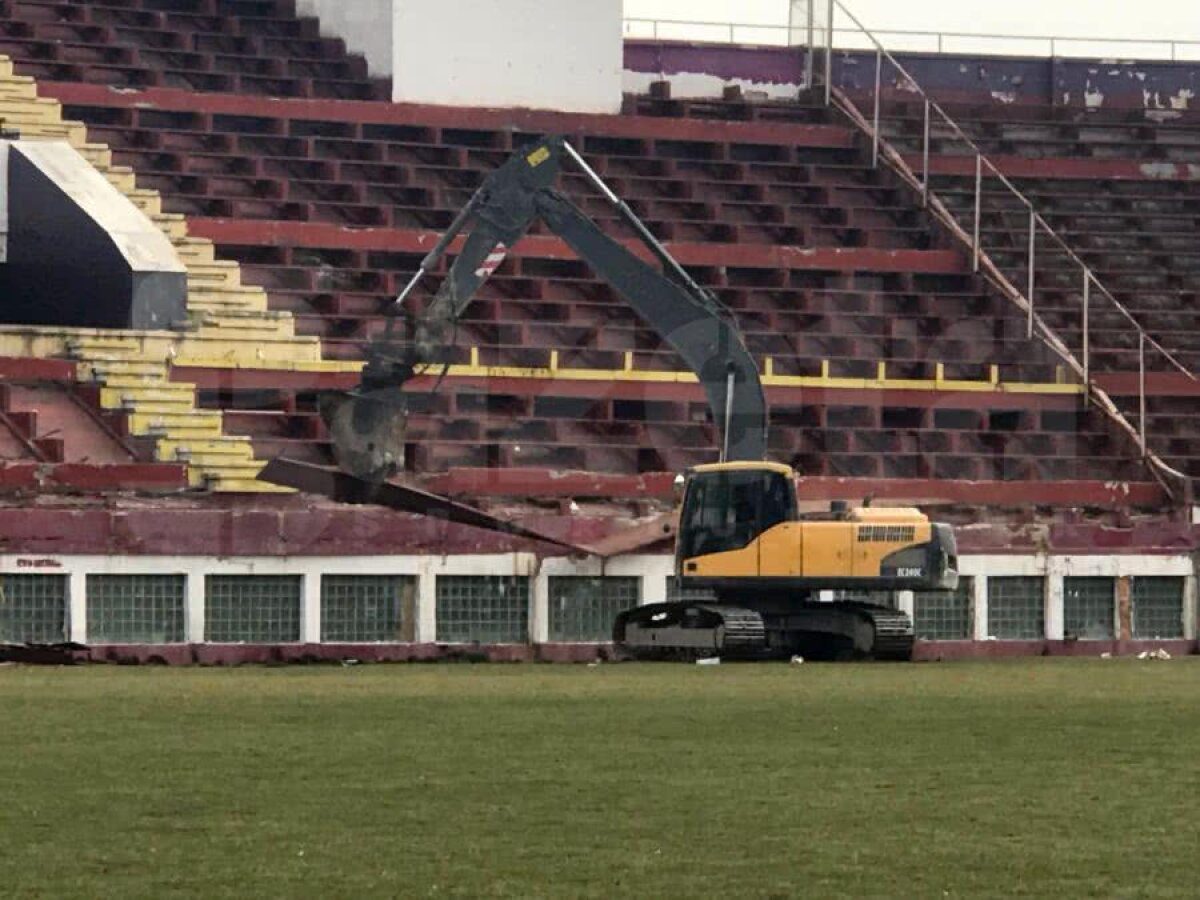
367 425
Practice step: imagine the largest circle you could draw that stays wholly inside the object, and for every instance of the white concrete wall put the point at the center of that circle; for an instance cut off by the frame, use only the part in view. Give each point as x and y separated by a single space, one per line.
365 26
653 569
564 55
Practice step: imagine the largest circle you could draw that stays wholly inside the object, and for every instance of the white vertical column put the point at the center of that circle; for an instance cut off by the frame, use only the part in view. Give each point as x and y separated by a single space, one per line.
77 607
194 598
310 607
539 607
980 604
1190 604
426 630
905 603
1053 586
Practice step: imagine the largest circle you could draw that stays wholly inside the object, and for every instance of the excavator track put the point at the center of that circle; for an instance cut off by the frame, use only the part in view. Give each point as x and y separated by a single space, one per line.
894 635
696 630
688 631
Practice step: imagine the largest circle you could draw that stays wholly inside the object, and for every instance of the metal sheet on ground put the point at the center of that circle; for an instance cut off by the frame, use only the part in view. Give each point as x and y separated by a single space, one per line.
345 488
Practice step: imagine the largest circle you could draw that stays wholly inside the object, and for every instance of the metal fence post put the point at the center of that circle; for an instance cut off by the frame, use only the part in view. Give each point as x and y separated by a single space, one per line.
1032 249
878 83
809 48
829 54
925 159
1087 291
1142 387
978 204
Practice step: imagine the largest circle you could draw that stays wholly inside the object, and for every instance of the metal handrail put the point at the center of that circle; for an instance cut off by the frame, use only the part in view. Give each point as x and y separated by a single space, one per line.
1171 47
982 261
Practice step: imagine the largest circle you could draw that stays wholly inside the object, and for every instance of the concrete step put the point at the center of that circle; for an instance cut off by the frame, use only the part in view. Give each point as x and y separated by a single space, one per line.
195 251
179 426
99 155
148 201
214 299
227 471
136 382
226 485
147 399
105 370
217 272
206 349
214 451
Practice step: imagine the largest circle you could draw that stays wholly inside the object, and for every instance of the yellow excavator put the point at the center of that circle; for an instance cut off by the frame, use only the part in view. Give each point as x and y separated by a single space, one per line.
755 577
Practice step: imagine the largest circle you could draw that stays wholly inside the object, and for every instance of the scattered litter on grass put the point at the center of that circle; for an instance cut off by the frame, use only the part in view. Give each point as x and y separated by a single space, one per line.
1154 654
593 664
1106 655
711 661
797 660
350 662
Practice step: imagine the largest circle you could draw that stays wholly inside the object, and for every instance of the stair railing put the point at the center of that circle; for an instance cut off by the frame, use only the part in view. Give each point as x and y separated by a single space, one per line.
1091 286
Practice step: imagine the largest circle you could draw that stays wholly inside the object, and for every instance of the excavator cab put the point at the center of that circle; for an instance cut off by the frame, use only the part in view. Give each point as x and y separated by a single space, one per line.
727 507
740 532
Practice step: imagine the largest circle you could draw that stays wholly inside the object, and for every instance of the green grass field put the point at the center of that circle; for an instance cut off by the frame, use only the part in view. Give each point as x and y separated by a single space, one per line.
1030 777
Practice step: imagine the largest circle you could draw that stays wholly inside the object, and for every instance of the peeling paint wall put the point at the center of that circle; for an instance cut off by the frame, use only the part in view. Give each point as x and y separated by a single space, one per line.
1165 89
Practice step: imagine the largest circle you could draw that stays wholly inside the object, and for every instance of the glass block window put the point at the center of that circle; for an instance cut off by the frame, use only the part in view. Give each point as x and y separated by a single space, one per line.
1089 608
1157 606
364 607
482 608
945 615
1016 608
136 609
33 609
583 609
252 609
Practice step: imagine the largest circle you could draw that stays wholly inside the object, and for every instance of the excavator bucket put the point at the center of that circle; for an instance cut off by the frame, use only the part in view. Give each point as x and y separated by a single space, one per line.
367 430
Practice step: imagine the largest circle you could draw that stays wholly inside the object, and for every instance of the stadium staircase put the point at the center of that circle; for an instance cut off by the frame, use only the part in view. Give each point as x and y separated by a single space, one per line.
228 325
885 356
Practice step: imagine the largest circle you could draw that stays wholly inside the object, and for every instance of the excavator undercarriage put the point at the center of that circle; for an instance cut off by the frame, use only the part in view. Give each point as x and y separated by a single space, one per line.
790 626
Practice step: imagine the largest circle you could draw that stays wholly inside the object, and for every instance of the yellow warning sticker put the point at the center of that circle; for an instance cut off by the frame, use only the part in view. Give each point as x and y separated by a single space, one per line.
538 156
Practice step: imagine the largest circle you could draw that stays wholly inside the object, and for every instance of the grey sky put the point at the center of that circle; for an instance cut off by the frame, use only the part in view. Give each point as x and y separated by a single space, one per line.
1147 19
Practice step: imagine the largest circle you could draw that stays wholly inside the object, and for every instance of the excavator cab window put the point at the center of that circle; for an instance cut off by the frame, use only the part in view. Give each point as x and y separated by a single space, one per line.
726 510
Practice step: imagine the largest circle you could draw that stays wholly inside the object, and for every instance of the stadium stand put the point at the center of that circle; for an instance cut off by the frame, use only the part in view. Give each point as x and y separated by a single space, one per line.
301 204
879 287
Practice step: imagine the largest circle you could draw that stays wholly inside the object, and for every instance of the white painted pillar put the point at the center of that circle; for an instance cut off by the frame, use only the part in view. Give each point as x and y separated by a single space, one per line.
426 630
1190 604
980 603
194 603
310 608
539 608
77 606
566 55
653 588
1052 585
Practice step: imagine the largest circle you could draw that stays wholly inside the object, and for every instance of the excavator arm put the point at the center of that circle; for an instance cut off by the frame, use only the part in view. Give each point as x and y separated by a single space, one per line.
367 425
